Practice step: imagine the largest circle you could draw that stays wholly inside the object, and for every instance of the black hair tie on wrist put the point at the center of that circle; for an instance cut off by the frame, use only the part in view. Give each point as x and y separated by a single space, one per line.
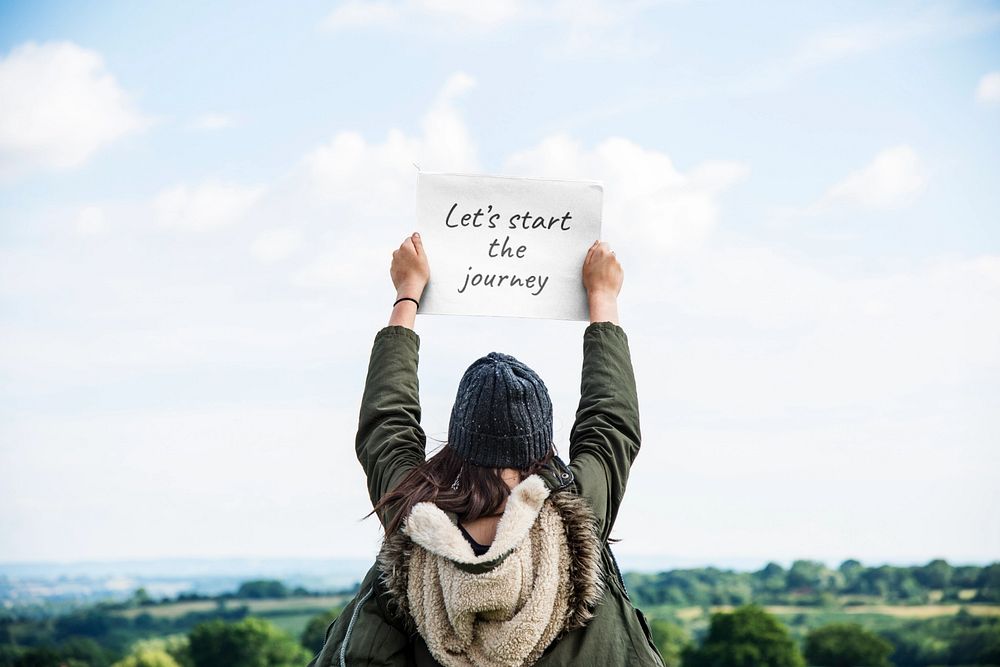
406 298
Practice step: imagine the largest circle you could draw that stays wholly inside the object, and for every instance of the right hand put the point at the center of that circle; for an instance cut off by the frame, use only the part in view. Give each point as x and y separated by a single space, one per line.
602 274
409 270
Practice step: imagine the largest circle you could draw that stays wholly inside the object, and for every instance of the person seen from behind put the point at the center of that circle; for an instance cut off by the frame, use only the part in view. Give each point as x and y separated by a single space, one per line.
496 552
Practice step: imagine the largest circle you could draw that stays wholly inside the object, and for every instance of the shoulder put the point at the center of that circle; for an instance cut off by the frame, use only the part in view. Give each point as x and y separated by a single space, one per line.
583 556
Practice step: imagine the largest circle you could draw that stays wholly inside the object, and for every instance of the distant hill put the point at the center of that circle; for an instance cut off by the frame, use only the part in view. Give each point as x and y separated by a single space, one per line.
24 583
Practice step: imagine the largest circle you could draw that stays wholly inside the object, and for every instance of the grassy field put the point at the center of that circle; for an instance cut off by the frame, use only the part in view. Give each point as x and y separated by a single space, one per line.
801 619
897 611
292 614
280 607
289 614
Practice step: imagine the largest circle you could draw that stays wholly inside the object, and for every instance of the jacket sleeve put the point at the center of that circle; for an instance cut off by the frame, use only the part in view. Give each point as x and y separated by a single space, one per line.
390 440
605 437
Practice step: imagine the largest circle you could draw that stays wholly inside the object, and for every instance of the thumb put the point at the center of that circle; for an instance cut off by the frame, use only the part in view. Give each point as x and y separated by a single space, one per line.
418 244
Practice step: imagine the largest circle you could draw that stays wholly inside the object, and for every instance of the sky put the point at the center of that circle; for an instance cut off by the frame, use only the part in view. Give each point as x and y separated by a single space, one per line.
198 206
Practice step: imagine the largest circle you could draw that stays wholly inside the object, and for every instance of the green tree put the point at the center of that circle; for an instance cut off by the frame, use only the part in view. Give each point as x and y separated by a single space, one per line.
252 642
846 645
262 588
76 652
47 657
141 597
989 584
315 633
806 574
9 654
175 646
936 574
962 639
773 578
91 622
670 639
87 651
747 637
148 657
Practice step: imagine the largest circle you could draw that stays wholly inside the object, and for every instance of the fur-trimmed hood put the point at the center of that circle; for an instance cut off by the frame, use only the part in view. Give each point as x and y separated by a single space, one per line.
539 579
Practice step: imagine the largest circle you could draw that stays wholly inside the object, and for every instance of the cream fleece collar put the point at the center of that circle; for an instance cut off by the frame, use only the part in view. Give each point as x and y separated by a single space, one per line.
540 578
430 527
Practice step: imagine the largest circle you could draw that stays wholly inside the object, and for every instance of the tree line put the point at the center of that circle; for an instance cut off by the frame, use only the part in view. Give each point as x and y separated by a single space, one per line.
809 582
103 636
749 636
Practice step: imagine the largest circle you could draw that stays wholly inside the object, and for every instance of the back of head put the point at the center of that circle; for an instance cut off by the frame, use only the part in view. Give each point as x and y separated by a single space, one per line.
502 416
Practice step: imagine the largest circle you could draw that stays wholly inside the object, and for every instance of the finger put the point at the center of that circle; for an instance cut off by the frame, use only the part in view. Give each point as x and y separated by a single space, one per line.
408 245
418 243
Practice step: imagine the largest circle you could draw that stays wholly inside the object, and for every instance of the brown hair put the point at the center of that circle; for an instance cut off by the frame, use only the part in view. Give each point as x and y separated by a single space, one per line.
454 485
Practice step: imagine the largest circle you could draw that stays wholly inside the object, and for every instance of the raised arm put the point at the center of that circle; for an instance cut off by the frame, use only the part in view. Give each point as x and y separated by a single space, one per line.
390 440
605 438
410 272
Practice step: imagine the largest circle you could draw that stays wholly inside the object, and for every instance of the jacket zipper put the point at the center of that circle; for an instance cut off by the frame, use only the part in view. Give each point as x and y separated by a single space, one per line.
350 626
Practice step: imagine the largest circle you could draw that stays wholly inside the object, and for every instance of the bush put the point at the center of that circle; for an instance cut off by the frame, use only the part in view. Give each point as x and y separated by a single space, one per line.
148 658
262 588
747 637
315 633
846 645
252 642
670 639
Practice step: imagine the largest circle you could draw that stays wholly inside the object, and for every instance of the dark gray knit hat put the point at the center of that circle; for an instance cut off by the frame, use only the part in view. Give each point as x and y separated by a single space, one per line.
502 417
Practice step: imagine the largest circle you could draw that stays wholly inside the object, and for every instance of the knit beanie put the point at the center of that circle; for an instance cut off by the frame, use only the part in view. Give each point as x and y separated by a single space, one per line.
502 417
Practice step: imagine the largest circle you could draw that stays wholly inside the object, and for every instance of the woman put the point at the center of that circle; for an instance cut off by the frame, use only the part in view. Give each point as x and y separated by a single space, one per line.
496 552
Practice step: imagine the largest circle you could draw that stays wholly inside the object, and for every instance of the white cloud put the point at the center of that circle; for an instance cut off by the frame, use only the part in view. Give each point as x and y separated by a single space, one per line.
785 332
585 27
648 201
356 13
988 90
203 207
91 221
270 443
355 262
646 197
841 43
602 28
212 121
769 361
893 178
275 245
377 179
844 42
59 106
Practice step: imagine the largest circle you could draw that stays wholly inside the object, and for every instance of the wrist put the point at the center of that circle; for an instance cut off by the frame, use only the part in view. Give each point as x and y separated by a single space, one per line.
603 306
403 300
411 290
404 312
602 296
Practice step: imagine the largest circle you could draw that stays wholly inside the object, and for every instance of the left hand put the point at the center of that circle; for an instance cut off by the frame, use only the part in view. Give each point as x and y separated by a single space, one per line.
410 270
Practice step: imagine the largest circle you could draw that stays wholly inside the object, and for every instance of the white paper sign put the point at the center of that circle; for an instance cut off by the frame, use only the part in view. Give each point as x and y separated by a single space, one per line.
507 246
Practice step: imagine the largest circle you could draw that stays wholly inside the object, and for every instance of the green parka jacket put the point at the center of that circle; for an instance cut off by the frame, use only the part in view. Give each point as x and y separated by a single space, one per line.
603 443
